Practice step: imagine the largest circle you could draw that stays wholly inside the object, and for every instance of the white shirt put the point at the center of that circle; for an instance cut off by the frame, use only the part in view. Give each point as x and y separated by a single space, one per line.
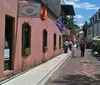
70 43
74 47
66 43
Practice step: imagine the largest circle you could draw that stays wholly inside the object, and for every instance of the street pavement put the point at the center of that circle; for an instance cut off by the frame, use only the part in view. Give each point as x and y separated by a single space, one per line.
77 71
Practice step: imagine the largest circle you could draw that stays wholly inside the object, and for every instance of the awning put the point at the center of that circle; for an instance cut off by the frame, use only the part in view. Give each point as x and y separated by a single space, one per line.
96 38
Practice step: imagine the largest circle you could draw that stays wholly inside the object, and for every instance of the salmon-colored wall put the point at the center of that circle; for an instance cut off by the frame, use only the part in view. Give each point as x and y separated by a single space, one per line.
7 7
36 57
2 26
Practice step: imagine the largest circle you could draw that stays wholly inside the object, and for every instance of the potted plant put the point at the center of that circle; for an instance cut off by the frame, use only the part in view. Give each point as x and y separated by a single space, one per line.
61 46
45 48
27 51
55 47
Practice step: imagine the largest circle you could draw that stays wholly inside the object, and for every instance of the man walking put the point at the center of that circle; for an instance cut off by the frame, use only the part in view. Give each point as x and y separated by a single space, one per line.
73 49
82 48
70 45
66 46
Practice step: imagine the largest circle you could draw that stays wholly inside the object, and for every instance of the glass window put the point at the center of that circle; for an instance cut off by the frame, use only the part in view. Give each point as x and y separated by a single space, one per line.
54 41
26 39
59 41
44 40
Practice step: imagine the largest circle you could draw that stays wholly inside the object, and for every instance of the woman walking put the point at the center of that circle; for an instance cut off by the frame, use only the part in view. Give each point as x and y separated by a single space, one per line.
73 49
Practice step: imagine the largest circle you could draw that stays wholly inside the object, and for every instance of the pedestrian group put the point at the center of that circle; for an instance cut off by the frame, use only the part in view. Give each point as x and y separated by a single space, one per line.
73 46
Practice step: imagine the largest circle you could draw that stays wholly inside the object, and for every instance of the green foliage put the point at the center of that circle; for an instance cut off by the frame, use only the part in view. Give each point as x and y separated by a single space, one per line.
45 48
84 28
55 48
61 46
70 23
96 46
27 51
88 45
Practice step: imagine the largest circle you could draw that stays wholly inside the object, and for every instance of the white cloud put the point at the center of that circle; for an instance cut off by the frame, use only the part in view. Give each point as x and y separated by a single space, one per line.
76 0
80 24
79 17
85 5
90 16
73 0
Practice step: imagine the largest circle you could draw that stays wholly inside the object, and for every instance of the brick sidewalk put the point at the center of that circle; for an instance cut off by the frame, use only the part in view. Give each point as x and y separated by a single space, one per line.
77 71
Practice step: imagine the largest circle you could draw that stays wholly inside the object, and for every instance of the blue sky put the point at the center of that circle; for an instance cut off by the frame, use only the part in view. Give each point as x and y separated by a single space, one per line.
84 9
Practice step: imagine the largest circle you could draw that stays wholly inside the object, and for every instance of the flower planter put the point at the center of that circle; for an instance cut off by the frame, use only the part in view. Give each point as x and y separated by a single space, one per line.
27 51
45 49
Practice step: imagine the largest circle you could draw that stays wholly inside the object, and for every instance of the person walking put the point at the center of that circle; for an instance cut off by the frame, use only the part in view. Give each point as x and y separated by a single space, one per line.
70 45
82 48
77 43
73 49
66 46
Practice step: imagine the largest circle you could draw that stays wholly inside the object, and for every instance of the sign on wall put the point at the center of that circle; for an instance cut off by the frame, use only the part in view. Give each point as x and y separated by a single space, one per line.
29 10
6 54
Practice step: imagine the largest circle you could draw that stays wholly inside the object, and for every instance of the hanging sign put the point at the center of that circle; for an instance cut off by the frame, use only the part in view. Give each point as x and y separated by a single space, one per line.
29 10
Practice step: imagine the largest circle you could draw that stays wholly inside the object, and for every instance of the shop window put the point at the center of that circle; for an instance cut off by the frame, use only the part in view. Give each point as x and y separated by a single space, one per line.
45 41
55 42
59 41
26 39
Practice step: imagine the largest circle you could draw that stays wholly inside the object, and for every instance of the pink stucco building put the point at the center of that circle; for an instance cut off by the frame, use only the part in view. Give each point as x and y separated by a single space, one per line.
11 31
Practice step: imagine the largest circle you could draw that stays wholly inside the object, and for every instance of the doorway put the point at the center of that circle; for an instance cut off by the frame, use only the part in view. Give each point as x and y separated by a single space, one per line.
9 25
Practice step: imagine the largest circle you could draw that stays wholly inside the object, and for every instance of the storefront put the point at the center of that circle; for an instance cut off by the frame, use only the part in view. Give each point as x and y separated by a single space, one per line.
26 42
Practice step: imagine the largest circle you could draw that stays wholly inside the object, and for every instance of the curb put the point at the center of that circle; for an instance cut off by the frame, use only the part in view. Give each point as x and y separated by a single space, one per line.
44 80
54 65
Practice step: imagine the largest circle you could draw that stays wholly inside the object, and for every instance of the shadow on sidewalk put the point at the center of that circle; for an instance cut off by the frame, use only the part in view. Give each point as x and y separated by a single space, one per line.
77 80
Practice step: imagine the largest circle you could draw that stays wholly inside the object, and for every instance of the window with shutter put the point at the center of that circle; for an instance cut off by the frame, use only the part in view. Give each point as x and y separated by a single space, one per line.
44 40
26 39
55 41
59 41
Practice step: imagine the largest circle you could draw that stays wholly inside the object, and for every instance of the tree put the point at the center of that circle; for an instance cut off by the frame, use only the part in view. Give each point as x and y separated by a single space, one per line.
70 23
84 28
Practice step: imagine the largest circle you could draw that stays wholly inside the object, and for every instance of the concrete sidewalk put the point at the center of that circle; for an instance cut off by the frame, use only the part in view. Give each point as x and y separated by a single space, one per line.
40 74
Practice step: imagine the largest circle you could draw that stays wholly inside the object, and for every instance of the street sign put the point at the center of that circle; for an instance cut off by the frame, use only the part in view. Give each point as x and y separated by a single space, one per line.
29 10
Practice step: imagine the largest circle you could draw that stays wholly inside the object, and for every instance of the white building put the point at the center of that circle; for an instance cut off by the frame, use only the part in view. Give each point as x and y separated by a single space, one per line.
89 33
80 36
93 29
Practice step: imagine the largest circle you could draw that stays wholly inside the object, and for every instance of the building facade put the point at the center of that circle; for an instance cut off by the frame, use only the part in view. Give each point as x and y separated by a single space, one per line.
89 33
13 39
93 29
